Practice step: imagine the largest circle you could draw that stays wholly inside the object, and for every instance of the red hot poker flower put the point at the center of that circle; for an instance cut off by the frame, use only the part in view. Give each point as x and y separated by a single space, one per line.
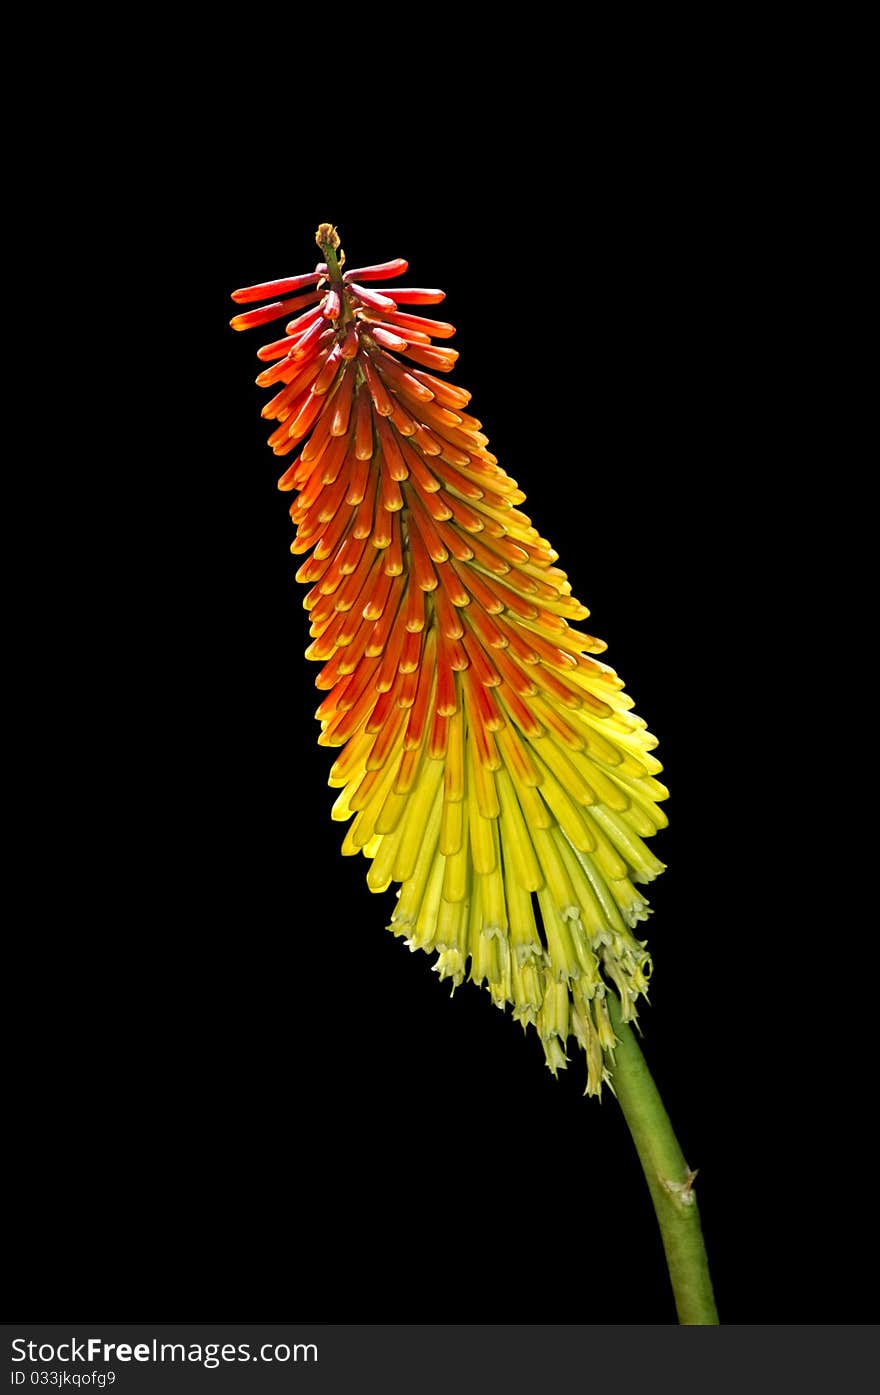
489 763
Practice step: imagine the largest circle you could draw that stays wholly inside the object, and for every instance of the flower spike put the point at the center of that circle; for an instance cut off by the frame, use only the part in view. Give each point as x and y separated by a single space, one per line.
488 762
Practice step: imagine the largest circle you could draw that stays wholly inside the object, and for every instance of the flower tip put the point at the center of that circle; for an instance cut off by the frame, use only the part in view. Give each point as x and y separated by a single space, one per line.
327 236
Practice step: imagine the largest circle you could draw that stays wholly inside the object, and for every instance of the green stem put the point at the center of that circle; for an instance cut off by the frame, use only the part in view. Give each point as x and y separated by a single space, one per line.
669 1178
327 239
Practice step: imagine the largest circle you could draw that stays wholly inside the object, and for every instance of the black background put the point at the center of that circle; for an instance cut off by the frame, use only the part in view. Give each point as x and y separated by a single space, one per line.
238 1094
